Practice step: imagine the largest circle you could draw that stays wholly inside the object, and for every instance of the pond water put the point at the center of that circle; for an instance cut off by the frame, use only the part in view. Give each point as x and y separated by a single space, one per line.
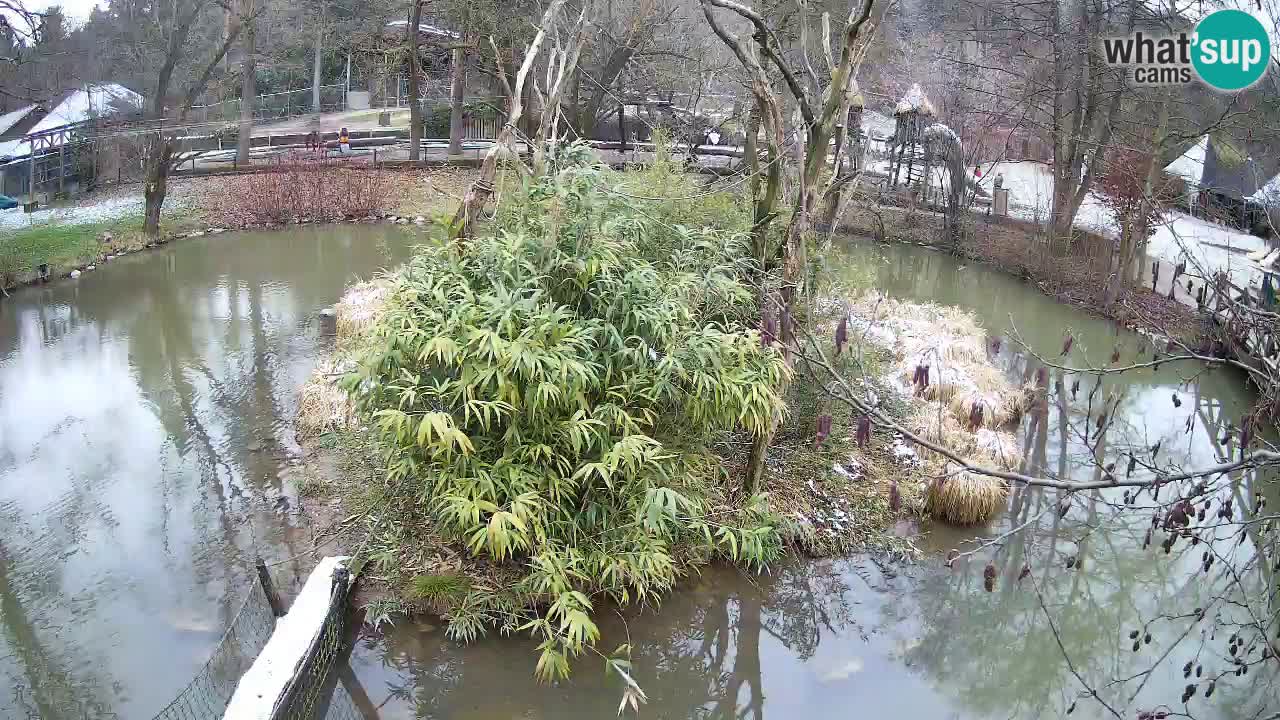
842 638
145 455
146 458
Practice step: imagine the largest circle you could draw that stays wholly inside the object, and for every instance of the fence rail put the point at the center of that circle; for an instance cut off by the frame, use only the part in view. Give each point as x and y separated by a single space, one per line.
274 106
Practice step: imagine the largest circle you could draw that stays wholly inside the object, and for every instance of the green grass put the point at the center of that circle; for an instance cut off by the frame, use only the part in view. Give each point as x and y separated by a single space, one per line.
61 246
65 247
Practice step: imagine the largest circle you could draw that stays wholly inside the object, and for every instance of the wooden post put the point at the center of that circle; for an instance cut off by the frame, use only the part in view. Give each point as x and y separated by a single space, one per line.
62 166
264 577
457 97
359 696
622 127
31 172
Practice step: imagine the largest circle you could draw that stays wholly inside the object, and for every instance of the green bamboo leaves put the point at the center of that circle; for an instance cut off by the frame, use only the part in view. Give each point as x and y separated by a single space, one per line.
551 392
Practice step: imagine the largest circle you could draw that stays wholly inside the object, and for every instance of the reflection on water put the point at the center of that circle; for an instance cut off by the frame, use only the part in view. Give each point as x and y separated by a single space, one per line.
844 638
805 641
145 457
145 454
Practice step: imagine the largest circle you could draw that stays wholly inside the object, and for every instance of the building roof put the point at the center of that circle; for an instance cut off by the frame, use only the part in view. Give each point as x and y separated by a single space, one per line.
1190 165
77 106
1226 166
914 101
1230 171
1269 193
426 28
10 119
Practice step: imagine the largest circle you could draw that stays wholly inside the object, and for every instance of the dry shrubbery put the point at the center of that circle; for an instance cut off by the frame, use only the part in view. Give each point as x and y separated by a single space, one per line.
304 189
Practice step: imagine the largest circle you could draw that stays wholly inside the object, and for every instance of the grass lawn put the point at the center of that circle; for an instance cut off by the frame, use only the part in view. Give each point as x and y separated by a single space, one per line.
65 247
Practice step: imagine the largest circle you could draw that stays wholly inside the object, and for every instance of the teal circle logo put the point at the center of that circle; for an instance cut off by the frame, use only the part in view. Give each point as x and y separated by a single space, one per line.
1231 50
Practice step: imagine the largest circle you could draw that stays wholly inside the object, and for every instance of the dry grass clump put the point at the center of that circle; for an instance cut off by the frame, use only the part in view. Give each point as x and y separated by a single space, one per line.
962 378
950 343
325 407
963 498
360 307
984 446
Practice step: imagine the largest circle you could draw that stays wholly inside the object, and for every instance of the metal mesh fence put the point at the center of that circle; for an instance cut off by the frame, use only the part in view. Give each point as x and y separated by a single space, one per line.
340 706
206 696
311 694
274 106
322 688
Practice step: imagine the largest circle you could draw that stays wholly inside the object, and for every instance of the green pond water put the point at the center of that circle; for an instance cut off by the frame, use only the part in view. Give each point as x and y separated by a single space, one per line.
147 456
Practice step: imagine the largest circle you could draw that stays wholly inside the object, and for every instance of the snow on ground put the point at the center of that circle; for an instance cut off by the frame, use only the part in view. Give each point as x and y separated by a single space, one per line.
1206 246
103 210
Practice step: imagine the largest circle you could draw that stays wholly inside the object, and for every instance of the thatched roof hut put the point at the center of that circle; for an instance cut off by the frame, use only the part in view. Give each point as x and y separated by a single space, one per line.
911 115
915 102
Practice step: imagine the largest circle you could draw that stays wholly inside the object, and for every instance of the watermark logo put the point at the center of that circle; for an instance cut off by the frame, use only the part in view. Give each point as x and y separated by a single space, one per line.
1228 51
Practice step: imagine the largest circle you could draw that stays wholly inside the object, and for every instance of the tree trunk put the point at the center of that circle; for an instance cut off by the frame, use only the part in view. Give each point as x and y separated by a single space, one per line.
1116 270
853 130
160 152
751 155
248 89
783 300
415 66
576 129
315 71
457 96
481 188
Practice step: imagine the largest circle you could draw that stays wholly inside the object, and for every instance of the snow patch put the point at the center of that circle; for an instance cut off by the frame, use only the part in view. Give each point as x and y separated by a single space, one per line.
877 125
426 29
1268 194
1208 247
88 102
101 211
938 131
267 678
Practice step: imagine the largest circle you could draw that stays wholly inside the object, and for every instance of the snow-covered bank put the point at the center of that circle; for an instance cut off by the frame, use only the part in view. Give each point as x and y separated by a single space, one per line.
1206 246
103 210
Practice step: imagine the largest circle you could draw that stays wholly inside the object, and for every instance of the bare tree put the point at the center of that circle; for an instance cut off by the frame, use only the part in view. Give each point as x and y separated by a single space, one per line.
820 108
561 64
177 49
482 188
249 78
413 34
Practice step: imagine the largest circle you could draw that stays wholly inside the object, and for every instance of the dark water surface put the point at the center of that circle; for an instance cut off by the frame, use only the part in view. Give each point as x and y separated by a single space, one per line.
146 456
145 453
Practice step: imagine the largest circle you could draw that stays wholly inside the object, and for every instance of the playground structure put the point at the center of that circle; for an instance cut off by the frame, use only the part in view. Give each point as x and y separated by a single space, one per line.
912 115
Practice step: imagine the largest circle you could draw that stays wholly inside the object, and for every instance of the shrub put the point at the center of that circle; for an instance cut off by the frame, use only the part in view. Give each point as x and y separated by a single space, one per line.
305 189
548 393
